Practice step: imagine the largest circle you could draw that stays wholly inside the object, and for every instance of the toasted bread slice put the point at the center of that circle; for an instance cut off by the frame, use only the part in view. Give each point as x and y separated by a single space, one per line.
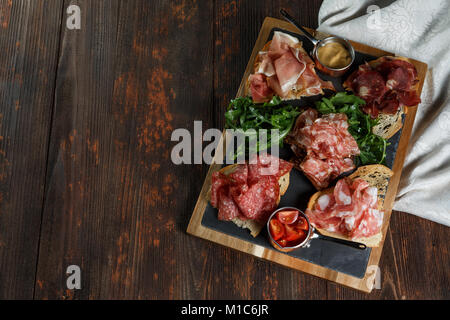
388 124
377 176
254 226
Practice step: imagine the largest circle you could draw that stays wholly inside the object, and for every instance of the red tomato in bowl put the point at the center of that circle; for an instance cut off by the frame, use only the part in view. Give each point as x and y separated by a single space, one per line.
293 235
276 229
287 216
302 224
288 228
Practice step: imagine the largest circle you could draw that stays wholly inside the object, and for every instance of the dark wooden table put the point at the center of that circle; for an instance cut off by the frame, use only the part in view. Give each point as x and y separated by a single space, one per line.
86 178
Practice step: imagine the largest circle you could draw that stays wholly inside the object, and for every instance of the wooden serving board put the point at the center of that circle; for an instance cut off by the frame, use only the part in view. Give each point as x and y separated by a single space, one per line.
364 283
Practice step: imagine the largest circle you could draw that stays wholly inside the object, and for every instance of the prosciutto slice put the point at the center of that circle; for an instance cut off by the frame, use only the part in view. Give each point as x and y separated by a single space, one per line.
261 92
288 70
285 68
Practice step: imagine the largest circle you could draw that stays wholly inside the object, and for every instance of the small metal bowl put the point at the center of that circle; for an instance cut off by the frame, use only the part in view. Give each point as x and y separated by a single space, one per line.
334 72
288 249
312 234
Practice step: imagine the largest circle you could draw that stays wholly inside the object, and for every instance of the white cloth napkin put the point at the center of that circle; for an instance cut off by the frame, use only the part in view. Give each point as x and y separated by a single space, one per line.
418 29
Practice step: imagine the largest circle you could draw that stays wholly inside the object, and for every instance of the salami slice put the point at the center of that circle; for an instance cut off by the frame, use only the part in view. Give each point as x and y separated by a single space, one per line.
248 192
260 198
351 210
227 207
219 181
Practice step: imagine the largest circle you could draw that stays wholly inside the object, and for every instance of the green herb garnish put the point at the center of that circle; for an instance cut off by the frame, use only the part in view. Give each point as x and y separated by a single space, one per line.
244 114
371 146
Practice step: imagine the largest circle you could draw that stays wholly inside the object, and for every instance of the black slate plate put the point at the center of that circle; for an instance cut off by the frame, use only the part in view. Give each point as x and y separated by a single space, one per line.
324 253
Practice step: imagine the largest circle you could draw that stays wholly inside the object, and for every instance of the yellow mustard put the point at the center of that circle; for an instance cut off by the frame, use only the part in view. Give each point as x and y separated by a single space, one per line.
334 55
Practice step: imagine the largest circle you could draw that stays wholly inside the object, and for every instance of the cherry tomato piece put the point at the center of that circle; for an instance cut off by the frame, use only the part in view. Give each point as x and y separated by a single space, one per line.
276 229
288 216
293 235
302 224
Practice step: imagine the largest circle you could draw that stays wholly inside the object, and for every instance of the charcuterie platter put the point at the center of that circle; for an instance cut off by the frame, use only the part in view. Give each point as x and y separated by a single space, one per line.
346 113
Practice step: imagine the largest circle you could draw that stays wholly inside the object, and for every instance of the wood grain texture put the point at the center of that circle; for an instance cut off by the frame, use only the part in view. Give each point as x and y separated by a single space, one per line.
113 202
114 198
29 48
236 30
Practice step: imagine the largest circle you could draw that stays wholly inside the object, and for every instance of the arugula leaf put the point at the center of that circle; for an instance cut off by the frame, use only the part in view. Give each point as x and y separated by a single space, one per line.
244 114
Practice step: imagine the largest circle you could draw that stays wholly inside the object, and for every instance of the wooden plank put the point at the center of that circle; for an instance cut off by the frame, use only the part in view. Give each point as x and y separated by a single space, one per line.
134 72
364 284
414 264
236 29
29 34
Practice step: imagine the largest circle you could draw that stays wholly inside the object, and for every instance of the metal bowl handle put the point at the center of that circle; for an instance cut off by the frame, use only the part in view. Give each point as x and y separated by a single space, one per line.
288 17
357 245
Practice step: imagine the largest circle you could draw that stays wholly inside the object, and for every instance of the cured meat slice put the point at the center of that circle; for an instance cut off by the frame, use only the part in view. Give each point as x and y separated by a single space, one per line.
408 98
328 137
341 193
266 66
390 103
386 86
385 65
328 145
399 79
281 43
310 84
266 164
218 182
317 170
370 86
249 192
369 225
351 210
272 194
227 207
288 70
260 90
239 175
316 218
260 199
